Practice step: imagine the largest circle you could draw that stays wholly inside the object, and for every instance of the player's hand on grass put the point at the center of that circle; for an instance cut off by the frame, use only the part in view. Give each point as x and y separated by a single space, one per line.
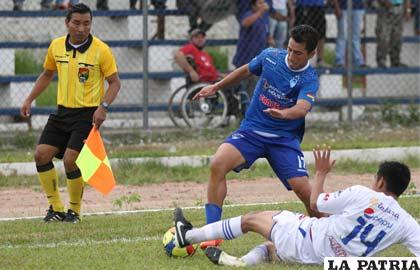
25 110
206 91
99 116
323 162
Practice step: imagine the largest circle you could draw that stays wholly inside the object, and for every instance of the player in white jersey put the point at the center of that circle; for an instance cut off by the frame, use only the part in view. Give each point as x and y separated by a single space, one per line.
362 222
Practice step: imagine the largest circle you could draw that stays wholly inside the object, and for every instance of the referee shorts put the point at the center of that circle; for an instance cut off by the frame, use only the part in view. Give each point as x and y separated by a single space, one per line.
67 128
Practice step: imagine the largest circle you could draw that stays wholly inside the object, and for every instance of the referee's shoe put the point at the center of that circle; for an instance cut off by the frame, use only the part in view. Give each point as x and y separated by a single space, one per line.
72 217
54 215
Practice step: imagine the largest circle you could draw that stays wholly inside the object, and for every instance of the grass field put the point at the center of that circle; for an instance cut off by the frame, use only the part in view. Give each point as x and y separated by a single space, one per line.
128 173
19 146
129 241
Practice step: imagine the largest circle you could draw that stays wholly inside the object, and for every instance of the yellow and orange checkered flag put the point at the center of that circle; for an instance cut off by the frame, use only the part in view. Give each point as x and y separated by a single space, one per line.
94 163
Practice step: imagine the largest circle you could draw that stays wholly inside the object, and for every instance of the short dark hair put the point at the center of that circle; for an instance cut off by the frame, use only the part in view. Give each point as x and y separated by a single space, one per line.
396 176
78 8
305 34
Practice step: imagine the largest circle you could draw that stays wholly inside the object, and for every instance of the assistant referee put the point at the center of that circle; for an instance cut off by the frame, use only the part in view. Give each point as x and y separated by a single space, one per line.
82 63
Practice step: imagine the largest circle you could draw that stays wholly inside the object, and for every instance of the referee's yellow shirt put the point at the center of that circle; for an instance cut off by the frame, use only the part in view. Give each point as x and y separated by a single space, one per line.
81 71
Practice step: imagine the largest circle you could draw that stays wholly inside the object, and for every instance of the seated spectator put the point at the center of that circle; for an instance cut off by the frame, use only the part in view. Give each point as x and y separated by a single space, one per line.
204 70
340 47
278 26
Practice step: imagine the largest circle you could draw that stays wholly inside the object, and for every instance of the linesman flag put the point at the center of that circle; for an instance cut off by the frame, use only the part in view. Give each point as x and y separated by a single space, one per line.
94 163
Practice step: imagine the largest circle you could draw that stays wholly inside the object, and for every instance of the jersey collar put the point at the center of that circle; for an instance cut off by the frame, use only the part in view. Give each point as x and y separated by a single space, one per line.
80 49
295 70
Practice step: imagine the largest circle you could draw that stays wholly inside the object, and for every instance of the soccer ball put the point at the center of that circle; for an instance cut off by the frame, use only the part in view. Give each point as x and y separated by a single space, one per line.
173 251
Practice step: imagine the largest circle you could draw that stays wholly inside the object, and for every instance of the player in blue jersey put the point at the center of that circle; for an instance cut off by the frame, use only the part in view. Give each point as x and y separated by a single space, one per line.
274 123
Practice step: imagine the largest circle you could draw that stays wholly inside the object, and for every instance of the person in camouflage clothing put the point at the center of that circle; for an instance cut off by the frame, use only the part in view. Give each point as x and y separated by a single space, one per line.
389 28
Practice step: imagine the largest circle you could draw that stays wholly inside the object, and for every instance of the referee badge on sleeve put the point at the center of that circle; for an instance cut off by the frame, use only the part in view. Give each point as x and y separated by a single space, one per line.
83 74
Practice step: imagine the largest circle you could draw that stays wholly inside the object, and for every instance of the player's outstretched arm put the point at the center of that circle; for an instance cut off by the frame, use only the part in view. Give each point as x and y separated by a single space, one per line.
323 165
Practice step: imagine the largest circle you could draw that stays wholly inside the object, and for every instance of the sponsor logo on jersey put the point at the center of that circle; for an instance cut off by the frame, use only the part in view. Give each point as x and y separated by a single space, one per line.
269 103
276 93
294 81
382 222
336 247
388 210
368 213
265 84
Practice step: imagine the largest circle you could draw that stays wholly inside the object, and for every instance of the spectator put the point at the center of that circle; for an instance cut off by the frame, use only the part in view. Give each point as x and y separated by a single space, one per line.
278 27
194 18
133 4
254 37
311 12
160 31
64 4
202 68
389 28
46 4
416 14
102 5
340 46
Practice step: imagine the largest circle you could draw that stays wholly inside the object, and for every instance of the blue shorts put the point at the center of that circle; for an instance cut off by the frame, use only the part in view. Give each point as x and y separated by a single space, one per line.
284 154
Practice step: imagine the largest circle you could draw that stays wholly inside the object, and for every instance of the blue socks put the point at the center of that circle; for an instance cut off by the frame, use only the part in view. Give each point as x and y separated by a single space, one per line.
213 213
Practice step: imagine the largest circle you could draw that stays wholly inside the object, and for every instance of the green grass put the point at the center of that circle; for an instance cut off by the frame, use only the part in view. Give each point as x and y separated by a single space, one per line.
130 241
128 173
19 147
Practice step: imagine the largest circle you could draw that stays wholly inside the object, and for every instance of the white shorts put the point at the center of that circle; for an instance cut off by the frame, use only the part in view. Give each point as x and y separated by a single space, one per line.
291 237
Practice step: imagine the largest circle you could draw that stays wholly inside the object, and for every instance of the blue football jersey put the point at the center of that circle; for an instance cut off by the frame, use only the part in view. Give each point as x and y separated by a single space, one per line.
278 87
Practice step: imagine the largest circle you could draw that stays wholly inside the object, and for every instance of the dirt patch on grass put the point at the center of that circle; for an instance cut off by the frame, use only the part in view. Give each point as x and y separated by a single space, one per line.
28 202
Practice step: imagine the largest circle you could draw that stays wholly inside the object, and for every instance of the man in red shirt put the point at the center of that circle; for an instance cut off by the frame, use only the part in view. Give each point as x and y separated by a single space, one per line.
204 70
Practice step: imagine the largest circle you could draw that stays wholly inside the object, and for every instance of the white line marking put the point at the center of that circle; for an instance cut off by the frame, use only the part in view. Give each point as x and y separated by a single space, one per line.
151 210
83 243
